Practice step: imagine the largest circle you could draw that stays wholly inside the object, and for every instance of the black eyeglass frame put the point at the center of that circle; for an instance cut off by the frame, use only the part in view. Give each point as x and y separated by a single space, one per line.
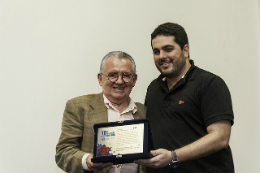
123 74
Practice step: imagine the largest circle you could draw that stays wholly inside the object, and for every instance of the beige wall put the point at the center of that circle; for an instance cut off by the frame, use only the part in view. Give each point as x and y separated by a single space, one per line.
50 52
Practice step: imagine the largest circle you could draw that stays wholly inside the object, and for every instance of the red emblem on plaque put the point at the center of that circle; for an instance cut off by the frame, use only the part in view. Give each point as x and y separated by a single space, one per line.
103 150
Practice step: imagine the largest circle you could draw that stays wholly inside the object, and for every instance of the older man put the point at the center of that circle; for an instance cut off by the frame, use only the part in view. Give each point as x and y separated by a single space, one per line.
74 150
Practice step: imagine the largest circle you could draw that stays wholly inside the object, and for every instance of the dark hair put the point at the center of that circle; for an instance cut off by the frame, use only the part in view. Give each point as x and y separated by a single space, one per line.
172 29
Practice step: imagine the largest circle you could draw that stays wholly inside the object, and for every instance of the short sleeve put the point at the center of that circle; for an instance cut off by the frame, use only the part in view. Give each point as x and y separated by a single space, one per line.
216 102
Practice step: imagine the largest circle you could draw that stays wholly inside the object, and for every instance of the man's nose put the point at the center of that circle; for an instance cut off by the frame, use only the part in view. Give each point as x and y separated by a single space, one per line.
120 79
162 55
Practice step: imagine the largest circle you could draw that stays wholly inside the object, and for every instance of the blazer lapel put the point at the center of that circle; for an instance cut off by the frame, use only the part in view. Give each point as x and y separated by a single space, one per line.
139 114
99 110
136 115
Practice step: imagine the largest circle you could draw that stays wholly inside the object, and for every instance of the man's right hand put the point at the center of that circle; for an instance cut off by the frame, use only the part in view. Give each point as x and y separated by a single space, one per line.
95 166
162 158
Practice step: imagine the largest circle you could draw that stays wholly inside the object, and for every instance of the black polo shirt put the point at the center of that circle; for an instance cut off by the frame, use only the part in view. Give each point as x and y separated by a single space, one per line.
181 115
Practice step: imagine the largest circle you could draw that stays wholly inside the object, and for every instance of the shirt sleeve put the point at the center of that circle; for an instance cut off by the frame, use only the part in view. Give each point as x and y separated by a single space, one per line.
84 163
216 102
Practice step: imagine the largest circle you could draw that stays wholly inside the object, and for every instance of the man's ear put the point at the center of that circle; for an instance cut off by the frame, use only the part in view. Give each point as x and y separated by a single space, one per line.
186 50
99 76
134 79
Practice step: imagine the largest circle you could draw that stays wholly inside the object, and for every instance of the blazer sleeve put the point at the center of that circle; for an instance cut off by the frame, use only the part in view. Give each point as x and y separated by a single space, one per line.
68 150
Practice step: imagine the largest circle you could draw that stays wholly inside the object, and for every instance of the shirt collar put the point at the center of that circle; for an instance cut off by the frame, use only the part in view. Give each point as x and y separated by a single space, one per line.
131 107
164 79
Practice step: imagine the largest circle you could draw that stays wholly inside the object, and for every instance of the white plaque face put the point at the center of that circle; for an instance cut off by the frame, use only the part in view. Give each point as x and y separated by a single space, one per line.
119 140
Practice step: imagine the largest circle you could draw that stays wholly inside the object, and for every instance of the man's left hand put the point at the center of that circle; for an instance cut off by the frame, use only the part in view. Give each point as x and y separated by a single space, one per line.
162 158
96 166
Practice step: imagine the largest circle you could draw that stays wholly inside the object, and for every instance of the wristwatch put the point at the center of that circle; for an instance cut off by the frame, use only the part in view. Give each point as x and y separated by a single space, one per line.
175 162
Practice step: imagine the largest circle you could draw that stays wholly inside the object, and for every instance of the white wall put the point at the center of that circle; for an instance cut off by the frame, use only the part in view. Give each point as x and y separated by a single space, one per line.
50 51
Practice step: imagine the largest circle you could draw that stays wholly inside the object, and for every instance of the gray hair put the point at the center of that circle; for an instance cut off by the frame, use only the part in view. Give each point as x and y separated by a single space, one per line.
120 55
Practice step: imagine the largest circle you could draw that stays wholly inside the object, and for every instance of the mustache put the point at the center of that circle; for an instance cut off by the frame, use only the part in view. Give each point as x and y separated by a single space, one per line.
164 60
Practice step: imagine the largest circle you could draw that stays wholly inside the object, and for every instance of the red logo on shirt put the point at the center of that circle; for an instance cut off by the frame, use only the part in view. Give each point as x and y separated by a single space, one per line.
180 102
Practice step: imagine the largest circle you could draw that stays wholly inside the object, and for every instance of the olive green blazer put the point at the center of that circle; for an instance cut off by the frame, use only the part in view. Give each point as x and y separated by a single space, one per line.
77 136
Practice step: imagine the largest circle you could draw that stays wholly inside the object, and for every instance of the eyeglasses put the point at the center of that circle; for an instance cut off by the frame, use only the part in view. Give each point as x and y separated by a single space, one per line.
113 77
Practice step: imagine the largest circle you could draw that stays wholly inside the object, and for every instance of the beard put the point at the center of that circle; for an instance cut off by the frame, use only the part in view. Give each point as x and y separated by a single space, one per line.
175 69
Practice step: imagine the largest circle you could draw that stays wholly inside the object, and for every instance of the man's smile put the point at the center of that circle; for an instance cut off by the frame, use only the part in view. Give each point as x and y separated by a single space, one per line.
165 62
119 88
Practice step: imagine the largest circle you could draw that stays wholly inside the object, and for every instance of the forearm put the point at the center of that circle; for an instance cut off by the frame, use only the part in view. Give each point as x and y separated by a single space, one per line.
70 160
68 150
216 139
200 148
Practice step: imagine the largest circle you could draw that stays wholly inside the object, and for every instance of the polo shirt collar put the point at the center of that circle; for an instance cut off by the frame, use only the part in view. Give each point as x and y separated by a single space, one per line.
186 77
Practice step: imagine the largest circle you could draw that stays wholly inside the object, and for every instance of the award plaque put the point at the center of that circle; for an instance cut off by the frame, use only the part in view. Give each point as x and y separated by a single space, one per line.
122 141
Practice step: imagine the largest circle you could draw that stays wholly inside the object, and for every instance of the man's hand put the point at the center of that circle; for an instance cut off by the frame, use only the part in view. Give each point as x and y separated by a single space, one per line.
162 158
95 166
